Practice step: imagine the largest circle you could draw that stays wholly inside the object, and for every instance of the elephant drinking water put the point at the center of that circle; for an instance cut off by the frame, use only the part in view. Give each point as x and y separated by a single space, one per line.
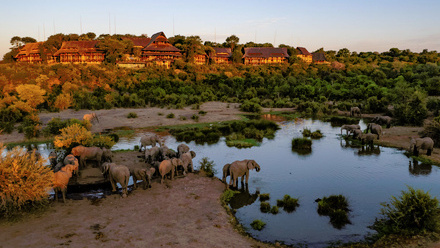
241 169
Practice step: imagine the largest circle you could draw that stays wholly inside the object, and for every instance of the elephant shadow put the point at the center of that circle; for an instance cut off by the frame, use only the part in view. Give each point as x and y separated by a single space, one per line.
244 198
419 169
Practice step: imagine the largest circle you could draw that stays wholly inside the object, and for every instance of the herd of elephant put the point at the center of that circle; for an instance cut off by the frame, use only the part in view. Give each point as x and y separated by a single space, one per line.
375 129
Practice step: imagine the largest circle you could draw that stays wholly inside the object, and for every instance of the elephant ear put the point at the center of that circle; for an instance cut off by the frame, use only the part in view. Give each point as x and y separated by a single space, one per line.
193 154
250 164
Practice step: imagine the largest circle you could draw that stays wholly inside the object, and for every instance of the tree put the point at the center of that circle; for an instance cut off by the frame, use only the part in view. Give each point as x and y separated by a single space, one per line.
114 48
232 41
31 94
343 53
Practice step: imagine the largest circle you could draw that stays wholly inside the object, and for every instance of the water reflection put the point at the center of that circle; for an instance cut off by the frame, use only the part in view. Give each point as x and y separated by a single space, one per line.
369 150
419 169
244 198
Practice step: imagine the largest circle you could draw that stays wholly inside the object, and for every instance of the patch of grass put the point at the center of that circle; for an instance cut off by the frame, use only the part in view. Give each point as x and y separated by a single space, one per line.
423 160
195 117
274 210
316 135
125 132
302 144
170 115
160 114
132 115
264 207
246 143
288 203
264 197
207 166
336 207
202 113
306 132
227 195
258 225
286 115
182 118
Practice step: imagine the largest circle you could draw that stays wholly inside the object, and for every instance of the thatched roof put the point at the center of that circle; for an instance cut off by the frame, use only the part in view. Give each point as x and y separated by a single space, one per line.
302 51
159 42
222 52
318 56
28 49
80 47
265 52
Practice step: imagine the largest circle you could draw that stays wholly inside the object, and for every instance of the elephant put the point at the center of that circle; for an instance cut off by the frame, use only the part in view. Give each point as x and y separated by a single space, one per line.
181 149
375 128
356 133
91 117
152 154
107 155
421 143
150 140
382 120
241 169
167 152
144 174
168 166
355 111
87 153
187 161
117 174
348 128
70 159
226 173
368 138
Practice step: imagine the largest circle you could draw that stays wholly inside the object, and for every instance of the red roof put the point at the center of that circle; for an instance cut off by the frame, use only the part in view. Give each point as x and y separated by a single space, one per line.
303 51
139 41
81 47
159 42
265 52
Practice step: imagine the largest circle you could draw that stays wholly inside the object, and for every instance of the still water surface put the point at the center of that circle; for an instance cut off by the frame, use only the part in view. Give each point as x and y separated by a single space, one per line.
334 167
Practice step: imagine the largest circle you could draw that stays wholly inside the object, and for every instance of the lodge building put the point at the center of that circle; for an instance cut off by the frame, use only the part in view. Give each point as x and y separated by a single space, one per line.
221 55
265 55
157 50
77 52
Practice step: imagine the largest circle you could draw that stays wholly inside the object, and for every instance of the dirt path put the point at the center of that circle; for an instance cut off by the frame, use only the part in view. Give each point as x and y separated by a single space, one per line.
185 212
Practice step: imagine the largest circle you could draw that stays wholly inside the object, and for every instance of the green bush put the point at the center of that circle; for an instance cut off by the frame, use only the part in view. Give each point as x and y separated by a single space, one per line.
301 144
207 166
413 212
432 129
264 207
288 203
132 115
195 117
227 195
249 106
413 112
258 225
274 210
316 135
170 115
336 207
201 112
264 197
306 132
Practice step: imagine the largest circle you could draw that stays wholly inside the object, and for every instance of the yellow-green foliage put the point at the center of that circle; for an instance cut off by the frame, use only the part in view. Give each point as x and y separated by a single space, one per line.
74 134
24 179
100 141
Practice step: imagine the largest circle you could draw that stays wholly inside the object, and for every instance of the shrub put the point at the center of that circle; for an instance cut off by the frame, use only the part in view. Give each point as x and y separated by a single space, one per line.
258 225
413 112
100 141
24 180
288 203
182 118
55 125
264 207
413 212
201 112
71 136
249 106
170 115
274 210
227 195
316 135
336 207
306 132
160 114
264 197
207 166
195 117
302 144
132 115
432 129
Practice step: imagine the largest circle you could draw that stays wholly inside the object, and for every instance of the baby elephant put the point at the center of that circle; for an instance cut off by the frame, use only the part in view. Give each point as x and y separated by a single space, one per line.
144 174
